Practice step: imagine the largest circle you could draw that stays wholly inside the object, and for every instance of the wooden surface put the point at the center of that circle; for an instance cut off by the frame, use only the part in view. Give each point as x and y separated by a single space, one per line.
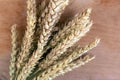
106 17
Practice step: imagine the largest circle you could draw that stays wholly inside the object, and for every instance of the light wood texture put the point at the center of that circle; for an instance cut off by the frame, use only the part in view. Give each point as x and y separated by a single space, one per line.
106 18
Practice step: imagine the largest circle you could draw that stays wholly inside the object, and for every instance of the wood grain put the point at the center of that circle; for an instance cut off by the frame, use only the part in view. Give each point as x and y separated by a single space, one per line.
106 26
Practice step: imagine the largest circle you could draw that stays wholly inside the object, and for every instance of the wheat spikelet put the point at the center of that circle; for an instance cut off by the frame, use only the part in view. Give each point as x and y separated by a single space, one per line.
74 64
50 71
49 17
60 26
28 37
41 7
77 28
15 48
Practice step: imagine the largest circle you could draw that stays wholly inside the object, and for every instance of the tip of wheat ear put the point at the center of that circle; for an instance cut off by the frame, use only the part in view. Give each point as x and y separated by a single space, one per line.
97 40
89 10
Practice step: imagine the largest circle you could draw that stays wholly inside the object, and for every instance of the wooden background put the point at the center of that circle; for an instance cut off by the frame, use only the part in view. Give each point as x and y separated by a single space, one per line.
106 17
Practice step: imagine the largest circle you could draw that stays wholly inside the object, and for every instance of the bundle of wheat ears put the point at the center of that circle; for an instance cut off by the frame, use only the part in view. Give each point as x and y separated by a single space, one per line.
48 47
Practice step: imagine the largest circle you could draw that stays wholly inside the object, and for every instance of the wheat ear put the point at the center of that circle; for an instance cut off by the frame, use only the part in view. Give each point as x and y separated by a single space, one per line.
78 51
49 17
74 64
50 71
77 28
15 49
79 20
28 37
40 8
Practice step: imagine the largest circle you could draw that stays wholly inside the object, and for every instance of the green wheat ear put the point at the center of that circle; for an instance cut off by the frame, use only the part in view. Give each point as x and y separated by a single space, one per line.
54 56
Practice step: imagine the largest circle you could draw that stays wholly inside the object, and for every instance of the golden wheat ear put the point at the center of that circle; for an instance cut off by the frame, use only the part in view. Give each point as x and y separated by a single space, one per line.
14 53
49 17
42 57
79 21
74 64
28 37
71 33
40 8
66 61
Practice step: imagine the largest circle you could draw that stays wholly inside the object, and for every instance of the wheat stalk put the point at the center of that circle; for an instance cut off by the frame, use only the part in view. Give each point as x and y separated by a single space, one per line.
74 64
28 37
49 17
15 48
50 71
77 28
